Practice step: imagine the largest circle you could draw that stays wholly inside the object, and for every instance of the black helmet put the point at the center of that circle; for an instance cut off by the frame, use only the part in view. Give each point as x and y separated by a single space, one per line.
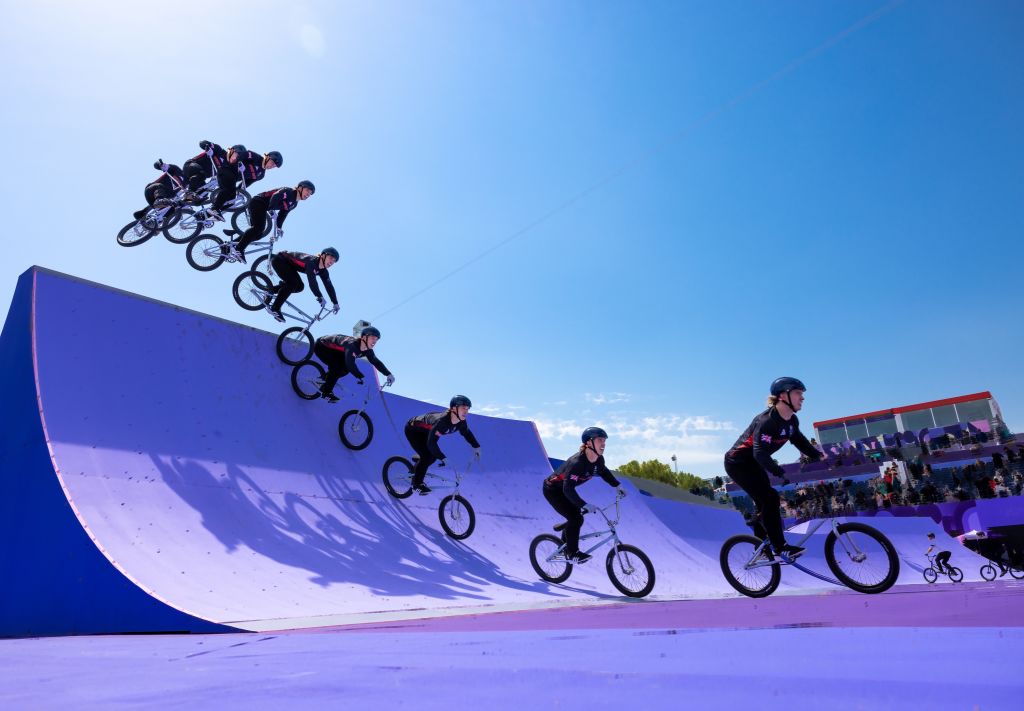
785 384
369 331
239 148
331 252
307 184
276 157
593 433
459 401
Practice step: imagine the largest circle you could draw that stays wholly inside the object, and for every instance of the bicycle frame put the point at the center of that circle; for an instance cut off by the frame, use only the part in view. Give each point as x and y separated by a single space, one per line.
759 560
610 534
446 482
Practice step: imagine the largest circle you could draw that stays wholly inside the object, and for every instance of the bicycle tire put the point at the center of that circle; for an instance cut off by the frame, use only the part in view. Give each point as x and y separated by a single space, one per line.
304 380
241 201
351 426
242 288
987 572
725 558
294 345
263 265
134 233
240 223
452 512
1017 573
398 483
955 574
930 576
891 557
558 570
183 229
613 564
197 256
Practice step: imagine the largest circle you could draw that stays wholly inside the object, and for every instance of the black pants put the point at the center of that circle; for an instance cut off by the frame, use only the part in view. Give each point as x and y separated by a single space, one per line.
154 192
258 223
571 512
417 437
196 175
227 176
754 480
335 362
942 559
291 280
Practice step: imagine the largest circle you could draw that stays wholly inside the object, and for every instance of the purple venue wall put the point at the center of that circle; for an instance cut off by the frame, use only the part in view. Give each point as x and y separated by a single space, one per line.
163 476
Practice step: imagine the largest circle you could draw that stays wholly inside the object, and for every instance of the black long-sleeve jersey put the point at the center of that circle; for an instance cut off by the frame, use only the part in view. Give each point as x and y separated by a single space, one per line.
440 424
284 200
172 178
350 347
251 167
210 161
765 436
310 263
577 470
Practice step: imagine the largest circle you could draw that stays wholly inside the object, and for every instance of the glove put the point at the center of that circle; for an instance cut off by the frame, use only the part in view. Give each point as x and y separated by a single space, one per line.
359 382
589 508
278 233
390 381
476 453
440 462
322 301
335 309
621 492
205 145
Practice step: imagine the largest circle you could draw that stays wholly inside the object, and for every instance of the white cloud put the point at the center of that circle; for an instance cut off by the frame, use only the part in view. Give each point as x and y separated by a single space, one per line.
606 399
312 40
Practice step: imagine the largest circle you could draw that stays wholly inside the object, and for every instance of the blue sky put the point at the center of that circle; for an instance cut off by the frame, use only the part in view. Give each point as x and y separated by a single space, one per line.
854 221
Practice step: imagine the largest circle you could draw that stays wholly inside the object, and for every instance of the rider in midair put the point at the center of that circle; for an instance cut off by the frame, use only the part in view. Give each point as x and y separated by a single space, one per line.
340 353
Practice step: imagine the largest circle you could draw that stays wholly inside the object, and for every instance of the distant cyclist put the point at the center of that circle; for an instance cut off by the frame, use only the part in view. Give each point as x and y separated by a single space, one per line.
424 431
560 488
750 460
339 353
291 265
164 188
283 200
941 558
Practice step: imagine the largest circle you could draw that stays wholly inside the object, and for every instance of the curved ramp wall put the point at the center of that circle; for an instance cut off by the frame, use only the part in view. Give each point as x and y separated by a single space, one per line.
167 478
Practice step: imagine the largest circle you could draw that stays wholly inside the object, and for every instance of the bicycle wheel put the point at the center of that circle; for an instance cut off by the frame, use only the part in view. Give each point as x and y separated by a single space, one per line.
988 572
250 289
355 430
240 223
737 553
306 380
205 252
295 345
184 228
543 547
457 517
397 474
867 563
630 570
134 233
1017 573
263 265
161 219
955 574
930 576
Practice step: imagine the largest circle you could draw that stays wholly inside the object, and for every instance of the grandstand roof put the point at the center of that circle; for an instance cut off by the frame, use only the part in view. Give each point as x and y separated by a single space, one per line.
984 395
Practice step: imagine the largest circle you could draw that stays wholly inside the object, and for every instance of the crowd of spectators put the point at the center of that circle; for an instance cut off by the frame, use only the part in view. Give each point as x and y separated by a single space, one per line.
923 484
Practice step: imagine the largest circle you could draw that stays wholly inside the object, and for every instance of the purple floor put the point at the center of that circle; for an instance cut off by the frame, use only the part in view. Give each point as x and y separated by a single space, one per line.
966 605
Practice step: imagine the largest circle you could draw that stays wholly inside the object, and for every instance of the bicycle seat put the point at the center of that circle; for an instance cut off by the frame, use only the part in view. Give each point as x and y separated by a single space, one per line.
560 526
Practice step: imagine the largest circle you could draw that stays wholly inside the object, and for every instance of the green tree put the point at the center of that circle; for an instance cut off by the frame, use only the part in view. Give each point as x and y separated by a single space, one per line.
654 470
